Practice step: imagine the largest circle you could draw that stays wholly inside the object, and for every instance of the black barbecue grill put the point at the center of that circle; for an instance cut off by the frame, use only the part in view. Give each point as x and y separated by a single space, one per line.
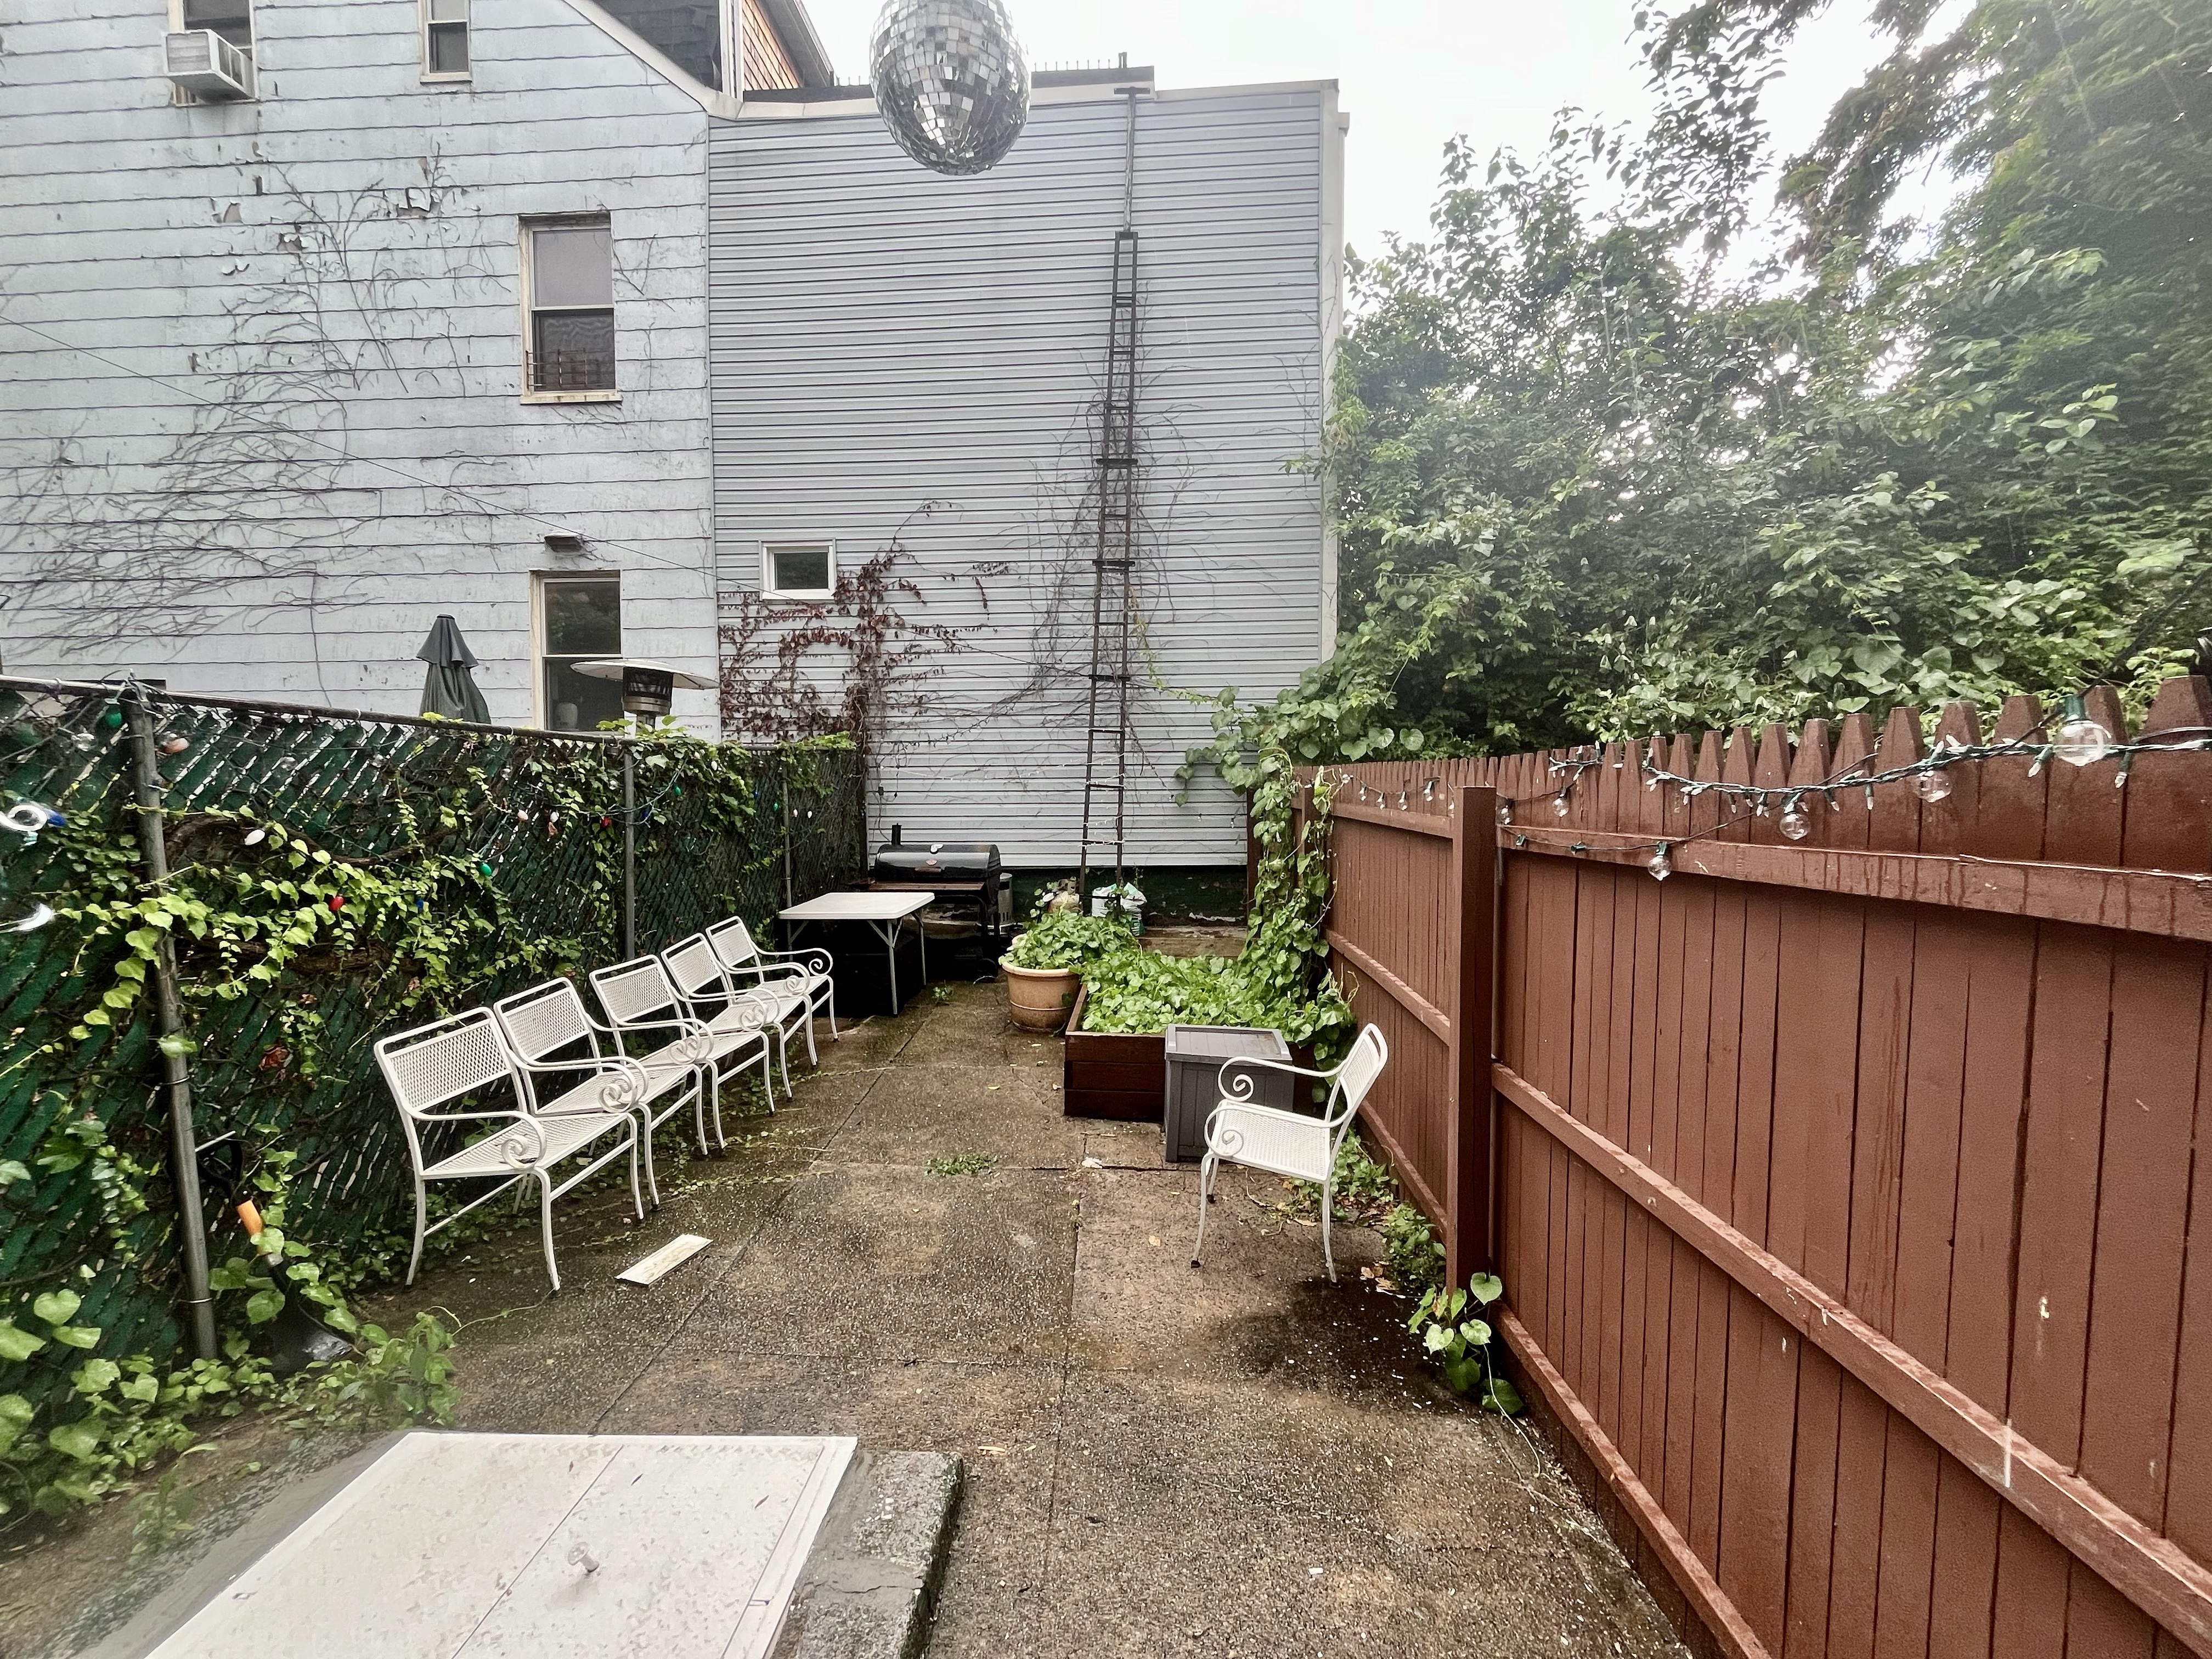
956 870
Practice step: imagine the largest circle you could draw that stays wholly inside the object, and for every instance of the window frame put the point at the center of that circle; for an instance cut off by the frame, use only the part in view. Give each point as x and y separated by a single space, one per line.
526 263
252 49
540 616
447 78
769 590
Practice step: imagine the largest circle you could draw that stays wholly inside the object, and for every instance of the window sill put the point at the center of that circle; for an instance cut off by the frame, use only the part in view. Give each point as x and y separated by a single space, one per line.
606 396
430 80
800 595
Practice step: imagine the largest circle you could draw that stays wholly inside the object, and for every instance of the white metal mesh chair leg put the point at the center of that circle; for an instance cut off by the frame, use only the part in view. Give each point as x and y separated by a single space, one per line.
1206 1169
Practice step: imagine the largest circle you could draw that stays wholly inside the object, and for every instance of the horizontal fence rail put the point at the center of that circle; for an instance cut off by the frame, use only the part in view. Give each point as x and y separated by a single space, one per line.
522 831
1848 1184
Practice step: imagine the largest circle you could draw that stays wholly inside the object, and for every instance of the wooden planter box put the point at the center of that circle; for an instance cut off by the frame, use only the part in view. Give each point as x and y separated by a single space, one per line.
1110 1075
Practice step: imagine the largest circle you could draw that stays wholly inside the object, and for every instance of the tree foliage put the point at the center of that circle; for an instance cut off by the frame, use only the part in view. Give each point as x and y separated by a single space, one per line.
1599 469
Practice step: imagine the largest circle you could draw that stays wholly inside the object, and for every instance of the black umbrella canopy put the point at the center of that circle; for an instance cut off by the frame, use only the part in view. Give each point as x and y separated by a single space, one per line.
449 688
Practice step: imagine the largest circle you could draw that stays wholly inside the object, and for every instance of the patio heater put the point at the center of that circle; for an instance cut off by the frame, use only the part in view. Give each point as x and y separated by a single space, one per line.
648 690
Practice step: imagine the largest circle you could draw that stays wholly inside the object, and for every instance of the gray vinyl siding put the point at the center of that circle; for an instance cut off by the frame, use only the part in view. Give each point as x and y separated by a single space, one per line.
339 260
883 338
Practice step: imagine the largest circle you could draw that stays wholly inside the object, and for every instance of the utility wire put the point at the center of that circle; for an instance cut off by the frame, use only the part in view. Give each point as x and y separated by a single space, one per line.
485 502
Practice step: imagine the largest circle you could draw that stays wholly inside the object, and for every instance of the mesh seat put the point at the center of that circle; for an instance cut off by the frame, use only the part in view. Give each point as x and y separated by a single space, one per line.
777 1004
554 1037
1241 1131
1267 1138
499 1153
434 1070
642 1004
808 972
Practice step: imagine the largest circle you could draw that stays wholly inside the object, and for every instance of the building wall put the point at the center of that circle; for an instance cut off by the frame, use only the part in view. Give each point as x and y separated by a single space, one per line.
905 360
270 425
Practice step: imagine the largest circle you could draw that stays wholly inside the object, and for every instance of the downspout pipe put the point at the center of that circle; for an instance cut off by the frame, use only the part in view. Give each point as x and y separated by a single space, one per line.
169 1023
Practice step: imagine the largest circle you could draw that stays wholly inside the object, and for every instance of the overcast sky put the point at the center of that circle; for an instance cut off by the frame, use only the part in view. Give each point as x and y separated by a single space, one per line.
1413 72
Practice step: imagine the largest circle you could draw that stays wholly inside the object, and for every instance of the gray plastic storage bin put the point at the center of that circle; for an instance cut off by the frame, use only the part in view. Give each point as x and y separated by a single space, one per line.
1195 1053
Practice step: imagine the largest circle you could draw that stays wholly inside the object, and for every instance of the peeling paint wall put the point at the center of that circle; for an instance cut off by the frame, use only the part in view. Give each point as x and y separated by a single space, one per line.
270 423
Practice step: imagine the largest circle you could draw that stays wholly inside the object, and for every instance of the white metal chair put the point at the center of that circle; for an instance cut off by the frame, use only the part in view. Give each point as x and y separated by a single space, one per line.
639 999
1294 1144
808 971
433 1065
708 996
547 1026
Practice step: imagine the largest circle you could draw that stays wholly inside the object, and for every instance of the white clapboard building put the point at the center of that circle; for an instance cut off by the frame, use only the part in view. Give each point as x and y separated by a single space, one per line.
624 328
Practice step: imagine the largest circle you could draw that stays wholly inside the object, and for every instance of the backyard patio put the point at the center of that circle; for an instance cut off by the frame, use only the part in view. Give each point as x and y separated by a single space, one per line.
1247 1460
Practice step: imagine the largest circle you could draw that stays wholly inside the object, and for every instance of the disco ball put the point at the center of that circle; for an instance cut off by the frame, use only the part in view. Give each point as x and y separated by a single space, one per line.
949 80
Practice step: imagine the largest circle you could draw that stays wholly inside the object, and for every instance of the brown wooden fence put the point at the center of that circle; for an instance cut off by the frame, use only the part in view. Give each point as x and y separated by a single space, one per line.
1844 1190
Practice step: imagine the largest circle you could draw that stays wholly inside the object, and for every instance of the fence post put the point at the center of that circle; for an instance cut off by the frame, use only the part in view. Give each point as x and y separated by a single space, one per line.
169 1023
1474 900
630 851
783 773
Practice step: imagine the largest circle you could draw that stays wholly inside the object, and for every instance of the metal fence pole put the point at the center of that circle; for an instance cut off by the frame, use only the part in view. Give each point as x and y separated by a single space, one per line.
630 850
169 1022
784 772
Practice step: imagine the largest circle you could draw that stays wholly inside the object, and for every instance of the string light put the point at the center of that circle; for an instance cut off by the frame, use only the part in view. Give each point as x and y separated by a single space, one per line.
2080 740
28 818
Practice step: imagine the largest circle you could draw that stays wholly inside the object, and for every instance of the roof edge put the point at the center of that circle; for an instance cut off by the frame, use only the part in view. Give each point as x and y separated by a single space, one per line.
795 28
707 98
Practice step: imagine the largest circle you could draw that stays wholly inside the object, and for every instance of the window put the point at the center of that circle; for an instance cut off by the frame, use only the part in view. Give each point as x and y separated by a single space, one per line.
569 274
579 619
800 570
445 39
231 19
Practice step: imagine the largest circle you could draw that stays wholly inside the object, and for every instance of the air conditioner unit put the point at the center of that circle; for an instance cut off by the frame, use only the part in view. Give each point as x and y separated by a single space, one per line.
206 65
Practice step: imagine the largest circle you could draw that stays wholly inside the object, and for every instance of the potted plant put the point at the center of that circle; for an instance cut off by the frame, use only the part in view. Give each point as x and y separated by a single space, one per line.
1046 961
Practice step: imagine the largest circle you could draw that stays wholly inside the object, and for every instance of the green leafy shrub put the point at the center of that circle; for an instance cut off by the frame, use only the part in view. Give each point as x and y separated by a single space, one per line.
1413 1254
1457 1336
1070 942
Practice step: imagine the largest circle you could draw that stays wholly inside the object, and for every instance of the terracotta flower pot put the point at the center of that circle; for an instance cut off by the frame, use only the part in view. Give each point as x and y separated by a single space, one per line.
1039 998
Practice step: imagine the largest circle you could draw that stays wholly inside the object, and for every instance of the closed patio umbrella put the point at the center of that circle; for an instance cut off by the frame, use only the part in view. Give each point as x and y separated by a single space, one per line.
449 688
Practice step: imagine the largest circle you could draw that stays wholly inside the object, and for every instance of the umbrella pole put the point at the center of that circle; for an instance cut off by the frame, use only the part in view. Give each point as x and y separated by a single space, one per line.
629 852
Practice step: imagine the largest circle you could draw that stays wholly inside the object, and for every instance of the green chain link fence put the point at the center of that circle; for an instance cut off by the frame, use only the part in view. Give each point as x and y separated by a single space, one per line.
437 865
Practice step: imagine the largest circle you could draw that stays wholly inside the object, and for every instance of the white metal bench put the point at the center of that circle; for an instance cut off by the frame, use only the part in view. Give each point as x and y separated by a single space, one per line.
639 1000
775 1005
548 1024
807 972
433 1066
1294 1144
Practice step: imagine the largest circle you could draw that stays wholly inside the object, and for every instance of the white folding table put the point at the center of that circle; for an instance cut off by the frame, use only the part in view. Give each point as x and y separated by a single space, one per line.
885 914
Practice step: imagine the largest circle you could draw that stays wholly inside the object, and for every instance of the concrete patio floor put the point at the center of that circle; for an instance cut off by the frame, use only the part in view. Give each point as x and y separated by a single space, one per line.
1245 1460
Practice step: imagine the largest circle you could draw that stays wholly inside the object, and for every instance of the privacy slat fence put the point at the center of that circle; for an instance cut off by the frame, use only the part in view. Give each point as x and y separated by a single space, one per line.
540 854
1845 1190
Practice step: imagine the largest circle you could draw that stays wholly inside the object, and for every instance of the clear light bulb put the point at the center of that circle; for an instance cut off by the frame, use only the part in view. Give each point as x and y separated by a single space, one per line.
2079 740
1505 811
1933 784
1559 807
1796 825
1662 865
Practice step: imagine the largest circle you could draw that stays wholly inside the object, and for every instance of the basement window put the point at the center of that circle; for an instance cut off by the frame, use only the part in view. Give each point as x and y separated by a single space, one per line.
568 279
579 620
445 39
798 570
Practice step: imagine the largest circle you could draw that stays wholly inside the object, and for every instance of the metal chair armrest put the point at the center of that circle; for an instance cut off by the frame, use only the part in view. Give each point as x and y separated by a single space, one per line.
810 954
